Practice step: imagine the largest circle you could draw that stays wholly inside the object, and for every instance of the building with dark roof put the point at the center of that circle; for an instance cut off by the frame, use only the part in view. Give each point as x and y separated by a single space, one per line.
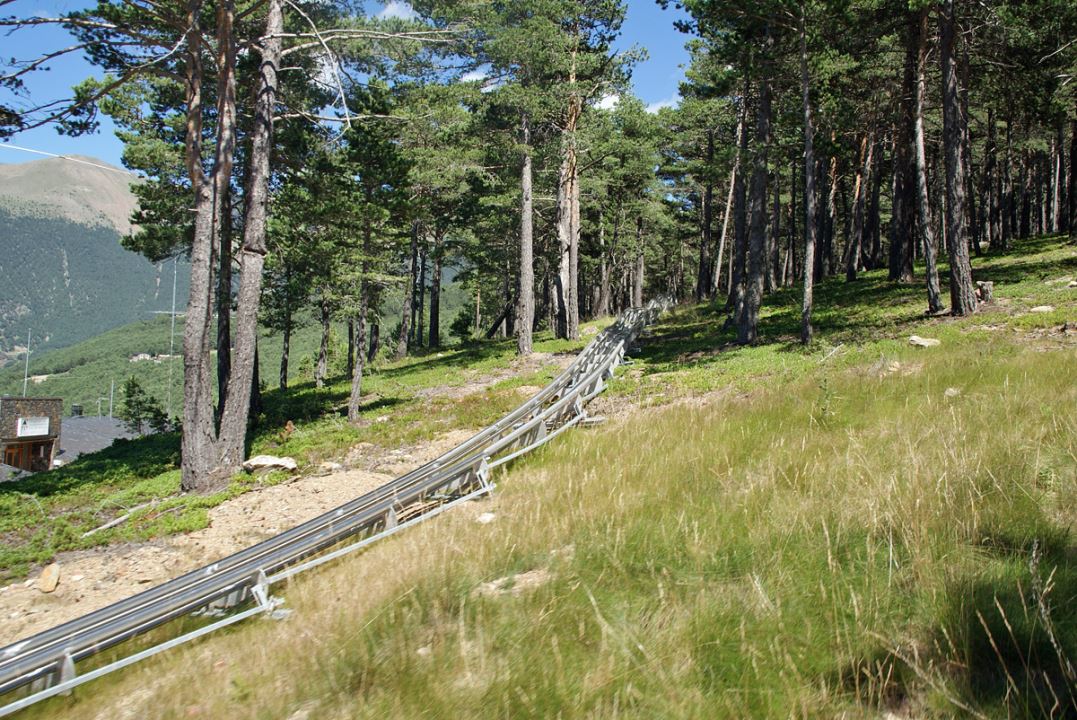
30 432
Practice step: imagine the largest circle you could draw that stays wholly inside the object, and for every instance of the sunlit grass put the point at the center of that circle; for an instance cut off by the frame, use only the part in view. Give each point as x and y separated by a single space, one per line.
857 528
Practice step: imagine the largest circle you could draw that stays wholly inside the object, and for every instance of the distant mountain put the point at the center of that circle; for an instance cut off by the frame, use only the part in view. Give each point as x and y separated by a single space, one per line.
84 190
63 272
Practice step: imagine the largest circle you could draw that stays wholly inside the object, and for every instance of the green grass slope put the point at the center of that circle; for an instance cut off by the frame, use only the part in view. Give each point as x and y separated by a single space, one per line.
850 530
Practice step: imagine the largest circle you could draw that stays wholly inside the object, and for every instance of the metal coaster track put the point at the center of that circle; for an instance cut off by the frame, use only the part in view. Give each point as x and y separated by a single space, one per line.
46 662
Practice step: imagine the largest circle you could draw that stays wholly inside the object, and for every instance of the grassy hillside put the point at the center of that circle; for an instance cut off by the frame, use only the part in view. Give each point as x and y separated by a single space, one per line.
83 372
857 529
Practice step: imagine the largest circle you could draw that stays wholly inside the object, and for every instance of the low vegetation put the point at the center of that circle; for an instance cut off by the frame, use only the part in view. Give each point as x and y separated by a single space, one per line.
861 528
406 402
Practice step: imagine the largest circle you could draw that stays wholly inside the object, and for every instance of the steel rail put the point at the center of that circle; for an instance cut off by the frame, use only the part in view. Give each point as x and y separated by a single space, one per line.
46 661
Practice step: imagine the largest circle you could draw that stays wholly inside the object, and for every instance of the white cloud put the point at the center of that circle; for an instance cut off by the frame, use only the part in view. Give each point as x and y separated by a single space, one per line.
472 76
397 9
672 101
608 102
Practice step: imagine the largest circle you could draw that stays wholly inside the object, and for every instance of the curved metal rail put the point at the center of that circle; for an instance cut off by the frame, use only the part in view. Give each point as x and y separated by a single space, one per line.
47 661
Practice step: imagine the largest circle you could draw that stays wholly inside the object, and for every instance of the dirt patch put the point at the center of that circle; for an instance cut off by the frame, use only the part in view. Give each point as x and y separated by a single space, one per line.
520 366
91 579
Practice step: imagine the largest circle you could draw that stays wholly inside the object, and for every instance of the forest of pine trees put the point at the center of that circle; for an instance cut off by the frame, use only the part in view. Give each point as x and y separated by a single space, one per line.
312 162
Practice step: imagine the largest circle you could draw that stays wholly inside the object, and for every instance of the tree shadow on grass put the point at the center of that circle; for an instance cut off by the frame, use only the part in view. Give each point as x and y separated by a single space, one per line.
1015 634
123 460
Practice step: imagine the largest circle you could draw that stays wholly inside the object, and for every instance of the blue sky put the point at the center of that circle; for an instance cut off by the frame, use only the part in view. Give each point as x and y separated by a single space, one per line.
655 81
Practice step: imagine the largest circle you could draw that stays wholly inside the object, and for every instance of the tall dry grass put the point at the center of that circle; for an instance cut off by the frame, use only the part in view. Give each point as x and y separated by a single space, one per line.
858 543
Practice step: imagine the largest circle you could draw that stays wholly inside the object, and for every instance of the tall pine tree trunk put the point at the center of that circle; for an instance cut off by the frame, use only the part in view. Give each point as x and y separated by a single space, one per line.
927 229
224 303
855 242
991 184
602 308
525 311
703 278
409 296
228 450
903 249
962 292
809 185
321 368
199 456
637 275
748 321
420 307
739 256
286 349
435 294
1073 180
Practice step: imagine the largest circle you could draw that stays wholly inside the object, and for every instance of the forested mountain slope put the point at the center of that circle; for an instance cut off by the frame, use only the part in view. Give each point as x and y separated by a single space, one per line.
65 275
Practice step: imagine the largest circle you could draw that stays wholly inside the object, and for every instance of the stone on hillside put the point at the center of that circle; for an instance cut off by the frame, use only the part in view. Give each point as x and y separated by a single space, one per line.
1042 309
486 518
924 342
951 392
49 578
1073 284
330 467
259 462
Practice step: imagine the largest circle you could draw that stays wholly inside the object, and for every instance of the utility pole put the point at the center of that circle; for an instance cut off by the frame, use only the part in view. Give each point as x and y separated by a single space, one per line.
111 392
26 368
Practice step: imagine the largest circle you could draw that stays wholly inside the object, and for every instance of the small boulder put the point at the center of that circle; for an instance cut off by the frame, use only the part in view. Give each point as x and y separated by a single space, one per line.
1042 309
330 467
49 578
259 462
1073 284
486 518
951 392
924 342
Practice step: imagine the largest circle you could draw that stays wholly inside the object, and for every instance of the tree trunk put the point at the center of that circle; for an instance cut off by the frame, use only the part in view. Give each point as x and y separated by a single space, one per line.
809 185
703 279
1073 181
829 263
602 308
286 348
420 307
716 281
903 216
375 343
574 257
739 256
871 221
962 291
748 322
525 313
637 276
406 313
224 303
351 347
321 369
356 394
256 384
773 235
927 229
435 295
860 187
199 436
1009 204
991 184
